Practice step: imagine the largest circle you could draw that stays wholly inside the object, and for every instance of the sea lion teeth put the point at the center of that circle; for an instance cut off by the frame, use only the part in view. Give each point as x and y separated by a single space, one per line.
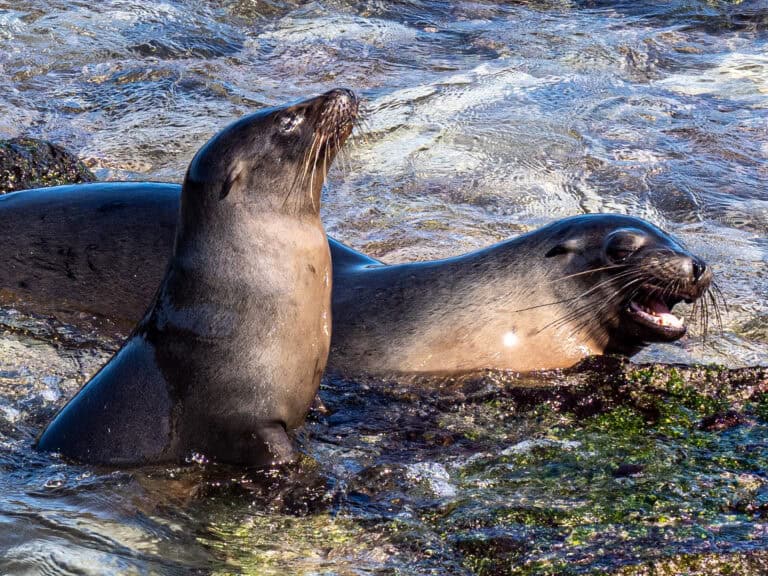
671 320
657 316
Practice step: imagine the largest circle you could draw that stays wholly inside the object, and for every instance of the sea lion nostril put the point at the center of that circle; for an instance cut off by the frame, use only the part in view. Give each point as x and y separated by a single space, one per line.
342 97
699 268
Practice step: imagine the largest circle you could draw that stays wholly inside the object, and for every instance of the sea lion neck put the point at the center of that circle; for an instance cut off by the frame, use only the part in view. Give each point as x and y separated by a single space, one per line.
201 215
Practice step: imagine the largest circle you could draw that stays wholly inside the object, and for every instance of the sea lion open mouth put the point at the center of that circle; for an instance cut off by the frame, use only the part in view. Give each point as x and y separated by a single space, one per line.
653 309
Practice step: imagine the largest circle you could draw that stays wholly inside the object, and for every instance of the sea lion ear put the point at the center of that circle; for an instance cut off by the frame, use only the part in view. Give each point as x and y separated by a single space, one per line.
232 177
565 247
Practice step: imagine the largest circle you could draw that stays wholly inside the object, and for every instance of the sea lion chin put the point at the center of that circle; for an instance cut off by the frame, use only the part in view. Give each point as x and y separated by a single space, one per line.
228 357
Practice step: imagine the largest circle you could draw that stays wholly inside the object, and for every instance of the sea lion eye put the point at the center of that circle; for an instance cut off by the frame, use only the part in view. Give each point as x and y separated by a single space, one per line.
621 244
289 122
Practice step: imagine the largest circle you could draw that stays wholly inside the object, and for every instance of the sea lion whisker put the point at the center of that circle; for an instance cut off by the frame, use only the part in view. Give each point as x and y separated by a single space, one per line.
708 301
631 274
314 167
362 131
577 312
702 322
363 117
575 315
627 274
695 315
714 315
296 183
590 271
705 308
342 157
571 299
300 177
325 169
360 136
718 316
720 295
692 318
308 157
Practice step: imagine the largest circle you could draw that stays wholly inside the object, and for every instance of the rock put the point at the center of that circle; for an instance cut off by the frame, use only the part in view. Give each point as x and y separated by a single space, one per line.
742 563
627 470
31 163
721 421
601 383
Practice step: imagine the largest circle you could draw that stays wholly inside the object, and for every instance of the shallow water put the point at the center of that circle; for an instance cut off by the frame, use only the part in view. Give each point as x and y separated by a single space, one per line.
484 119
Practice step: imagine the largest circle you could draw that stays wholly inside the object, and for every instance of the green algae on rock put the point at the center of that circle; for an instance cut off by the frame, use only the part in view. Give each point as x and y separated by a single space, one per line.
31 163
607 468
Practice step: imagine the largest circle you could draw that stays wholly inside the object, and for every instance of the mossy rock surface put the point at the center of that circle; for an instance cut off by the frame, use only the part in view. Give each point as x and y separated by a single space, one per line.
610 467
31 163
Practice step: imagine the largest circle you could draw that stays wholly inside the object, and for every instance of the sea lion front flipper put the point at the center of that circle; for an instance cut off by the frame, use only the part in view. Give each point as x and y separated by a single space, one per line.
278 444
236 439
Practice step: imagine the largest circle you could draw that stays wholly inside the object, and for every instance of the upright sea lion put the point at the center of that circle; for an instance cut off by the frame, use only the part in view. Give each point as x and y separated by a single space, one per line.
230 353
542 300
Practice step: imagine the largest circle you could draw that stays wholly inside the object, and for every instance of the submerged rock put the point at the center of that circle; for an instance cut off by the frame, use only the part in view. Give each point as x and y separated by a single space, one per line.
744 563
31 163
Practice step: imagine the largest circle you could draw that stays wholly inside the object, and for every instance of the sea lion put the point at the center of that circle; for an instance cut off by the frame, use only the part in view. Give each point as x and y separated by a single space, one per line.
228 357
584 285
519 305
87 254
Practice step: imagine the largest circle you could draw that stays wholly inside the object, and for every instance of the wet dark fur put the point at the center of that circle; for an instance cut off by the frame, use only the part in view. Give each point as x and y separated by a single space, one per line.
541 300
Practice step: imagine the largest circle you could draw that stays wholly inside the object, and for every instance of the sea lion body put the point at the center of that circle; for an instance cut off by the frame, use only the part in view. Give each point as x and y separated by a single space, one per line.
514 305
229 355
92 254
87 252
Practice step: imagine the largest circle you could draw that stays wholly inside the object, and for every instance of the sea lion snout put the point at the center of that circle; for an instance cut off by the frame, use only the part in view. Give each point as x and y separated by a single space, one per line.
691 275
695 276
331 112
342 97
340 108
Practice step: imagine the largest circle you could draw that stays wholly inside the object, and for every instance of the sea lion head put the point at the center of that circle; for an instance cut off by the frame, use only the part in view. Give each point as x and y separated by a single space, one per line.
274 160
628 275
